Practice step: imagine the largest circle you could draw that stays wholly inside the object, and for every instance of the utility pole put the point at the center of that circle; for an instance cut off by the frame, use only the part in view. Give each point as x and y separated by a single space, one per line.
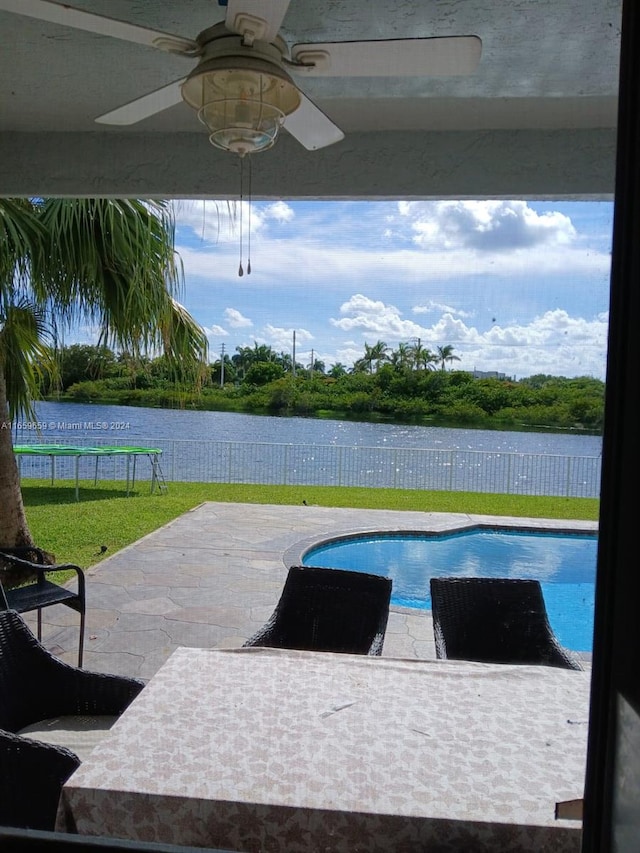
293 360
222 365
312 357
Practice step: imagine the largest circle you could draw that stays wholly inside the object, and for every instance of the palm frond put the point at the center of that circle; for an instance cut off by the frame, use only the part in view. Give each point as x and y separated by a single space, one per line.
109 263
185 345
25 355
21 246
116 262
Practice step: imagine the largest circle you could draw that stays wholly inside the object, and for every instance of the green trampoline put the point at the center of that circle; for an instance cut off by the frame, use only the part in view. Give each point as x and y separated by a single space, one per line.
53 451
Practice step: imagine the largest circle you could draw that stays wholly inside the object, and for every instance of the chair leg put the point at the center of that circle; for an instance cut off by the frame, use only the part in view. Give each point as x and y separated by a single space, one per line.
81 640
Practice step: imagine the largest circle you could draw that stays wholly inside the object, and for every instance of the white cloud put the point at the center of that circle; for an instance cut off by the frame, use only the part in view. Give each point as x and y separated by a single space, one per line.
485 226
236 320
373 317
280 211
210 220
281 339
433 307
348 355
292 262
217 222
490 278
216 332
554 342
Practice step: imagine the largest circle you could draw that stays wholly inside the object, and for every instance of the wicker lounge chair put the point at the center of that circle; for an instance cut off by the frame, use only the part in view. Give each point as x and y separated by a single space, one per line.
36 691
30 562
329 610
496 620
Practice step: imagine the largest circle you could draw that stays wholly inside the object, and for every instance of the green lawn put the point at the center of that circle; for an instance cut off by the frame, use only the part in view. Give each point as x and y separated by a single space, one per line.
76 531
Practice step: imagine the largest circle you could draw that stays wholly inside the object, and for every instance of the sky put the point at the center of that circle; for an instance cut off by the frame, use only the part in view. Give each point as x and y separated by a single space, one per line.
516 287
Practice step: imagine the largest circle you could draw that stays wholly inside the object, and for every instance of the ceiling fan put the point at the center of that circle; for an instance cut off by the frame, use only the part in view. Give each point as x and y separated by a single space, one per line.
243 83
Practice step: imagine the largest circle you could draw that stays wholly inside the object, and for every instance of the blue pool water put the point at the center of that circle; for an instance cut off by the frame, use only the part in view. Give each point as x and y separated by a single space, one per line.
565 565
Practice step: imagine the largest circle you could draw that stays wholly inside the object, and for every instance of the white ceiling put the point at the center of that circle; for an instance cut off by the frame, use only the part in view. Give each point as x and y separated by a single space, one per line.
536 119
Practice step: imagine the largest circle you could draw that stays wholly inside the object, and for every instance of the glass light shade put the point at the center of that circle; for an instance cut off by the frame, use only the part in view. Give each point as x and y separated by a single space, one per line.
242 101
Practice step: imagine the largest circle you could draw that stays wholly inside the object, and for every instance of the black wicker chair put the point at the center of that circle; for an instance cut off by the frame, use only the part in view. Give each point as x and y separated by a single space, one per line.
36 686
495 620
329 610
41 592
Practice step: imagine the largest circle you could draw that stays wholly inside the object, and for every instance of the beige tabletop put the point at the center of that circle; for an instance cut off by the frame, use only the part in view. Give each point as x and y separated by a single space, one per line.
268 750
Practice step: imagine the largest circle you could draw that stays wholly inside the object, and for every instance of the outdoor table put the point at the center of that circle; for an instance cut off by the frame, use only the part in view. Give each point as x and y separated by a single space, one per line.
259 749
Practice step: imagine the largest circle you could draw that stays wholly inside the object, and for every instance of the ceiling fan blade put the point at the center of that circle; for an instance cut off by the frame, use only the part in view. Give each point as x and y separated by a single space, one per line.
265 15
311 127
68 16
146 106
428 57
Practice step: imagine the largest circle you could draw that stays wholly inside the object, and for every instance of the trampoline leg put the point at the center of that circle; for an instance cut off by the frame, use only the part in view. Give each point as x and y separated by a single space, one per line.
154 461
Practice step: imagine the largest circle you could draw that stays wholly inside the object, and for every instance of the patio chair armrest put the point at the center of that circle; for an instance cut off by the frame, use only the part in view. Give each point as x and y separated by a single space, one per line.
32 774
38 568
80 691
30 553
100 693
57 687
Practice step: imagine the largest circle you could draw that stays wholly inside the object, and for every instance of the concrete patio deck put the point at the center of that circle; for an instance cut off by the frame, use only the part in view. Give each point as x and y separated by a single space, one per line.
212 577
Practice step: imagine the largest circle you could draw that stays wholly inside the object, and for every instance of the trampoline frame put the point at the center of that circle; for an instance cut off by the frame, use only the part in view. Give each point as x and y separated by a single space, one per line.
53 451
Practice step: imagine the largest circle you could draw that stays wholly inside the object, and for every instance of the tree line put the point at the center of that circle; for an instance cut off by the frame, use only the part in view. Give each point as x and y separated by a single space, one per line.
410 384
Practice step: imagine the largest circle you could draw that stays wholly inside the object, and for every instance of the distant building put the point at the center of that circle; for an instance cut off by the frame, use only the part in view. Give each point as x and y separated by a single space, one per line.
488 374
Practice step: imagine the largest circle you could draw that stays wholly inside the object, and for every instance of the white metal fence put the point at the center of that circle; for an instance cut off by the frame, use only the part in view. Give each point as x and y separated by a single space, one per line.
336 465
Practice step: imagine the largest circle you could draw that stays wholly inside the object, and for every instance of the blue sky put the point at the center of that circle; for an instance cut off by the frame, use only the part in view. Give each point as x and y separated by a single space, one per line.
514 286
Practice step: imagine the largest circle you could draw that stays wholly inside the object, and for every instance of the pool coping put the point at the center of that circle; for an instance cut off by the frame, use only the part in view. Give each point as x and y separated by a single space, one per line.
295 554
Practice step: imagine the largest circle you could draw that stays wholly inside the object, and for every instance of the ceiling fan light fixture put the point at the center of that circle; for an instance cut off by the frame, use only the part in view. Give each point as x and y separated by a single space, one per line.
229 132
243 101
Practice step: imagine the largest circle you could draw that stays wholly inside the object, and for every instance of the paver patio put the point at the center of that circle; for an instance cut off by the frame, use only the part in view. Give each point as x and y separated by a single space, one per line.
212 577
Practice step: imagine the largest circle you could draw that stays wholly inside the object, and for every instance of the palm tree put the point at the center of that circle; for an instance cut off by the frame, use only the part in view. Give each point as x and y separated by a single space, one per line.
338 369
246 357
263 352
286 360
423 358
403 356
109 263
377 353
445 354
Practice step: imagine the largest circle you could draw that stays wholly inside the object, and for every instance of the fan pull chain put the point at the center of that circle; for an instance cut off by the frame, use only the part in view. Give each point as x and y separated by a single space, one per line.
249 228
240 270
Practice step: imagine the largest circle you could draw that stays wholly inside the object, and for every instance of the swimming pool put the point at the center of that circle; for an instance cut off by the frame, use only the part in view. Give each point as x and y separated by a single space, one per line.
564 563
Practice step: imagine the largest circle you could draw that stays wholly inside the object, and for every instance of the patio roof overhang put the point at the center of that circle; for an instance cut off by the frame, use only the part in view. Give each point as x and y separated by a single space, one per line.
536 120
